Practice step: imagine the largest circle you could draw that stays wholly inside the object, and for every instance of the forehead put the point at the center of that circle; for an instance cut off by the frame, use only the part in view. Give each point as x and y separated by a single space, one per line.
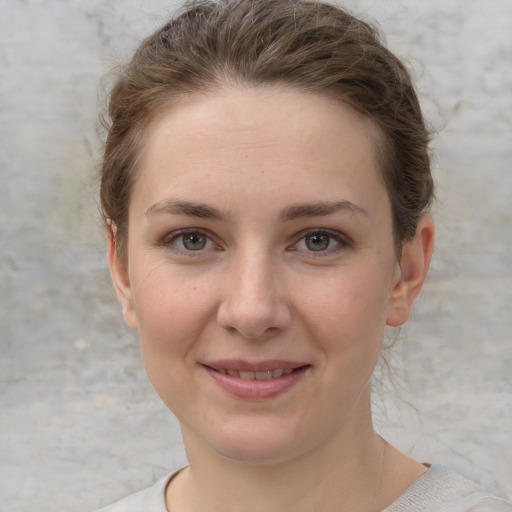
246 108
261 139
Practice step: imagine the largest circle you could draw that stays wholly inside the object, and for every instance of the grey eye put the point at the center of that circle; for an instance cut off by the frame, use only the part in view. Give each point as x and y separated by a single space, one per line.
318 241
194 241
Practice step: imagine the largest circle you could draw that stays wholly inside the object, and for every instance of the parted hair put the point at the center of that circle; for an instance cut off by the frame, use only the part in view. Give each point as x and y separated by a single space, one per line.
312 46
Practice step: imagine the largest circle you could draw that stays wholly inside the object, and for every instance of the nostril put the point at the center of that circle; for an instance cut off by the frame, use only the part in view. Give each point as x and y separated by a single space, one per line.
253 324
252 305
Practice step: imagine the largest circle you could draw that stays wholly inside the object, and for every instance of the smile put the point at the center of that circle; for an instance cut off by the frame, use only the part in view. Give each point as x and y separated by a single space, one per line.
248 375
256 380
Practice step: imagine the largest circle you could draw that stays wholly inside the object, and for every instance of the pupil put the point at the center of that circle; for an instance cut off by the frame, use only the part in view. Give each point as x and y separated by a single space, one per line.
317 242
194 241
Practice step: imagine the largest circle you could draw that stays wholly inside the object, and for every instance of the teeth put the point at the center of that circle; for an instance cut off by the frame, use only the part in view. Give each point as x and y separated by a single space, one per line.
266 375
263 375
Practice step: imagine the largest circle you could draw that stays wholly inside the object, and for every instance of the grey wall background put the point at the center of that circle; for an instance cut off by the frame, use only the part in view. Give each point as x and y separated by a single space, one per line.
79 424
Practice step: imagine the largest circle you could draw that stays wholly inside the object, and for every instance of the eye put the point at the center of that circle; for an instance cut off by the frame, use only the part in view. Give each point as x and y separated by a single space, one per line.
188 240
321 241
193 241
318 241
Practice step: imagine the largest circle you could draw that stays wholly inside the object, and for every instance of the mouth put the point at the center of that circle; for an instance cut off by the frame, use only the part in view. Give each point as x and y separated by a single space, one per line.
257 381
274 373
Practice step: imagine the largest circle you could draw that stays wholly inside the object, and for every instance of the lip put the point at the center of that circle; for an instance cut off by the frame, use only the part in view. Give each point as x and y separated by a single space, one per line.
255 388
255 366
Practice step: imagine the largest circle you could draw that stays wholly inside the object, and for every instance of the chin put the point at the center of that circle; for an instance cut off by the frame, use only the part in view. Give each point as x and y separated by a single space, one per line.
257 454
263 445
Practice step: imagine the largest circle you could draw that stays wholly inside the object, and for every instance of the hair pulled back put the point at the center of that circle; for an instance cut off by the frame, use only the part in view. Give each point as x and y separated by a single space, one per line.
313 46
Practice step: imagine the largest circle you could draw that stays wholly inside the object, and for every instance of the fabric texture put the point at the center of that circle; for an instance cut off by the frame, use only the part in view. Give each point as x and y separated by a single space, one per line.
439 490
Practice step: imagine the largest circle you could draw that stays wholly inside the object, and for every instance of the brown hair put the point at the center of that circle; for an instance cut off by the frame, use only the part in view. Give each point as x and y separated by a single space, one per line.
305 44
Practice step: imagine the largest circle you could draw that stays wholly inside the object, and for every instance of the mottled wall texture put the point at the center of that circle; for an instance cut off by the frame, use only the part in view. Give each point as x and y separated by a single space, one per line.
79 424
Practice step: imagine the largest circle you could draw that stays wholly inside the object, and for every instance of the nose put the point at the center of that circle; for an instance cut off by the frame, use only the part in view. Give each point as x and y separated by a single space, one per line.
254 302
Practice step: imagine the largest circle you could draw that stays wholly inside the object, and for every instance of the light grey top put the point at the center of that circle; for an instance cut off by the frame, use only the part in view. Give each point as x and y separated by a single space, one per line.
439 490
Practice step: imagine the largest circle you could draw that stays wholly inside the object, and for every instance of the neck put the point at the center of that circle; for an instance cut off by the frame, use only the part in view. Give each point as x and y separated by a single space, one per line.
350 471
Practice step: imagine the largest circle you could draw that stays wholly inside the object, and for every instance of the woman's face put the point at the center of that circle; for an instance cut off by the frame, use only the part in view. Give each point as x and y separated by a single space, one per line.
261 269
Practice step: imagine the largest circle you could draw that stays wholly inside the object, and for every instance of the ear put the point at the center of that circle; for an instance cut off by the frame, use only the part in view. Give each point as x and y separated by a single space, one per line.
411 271
120 279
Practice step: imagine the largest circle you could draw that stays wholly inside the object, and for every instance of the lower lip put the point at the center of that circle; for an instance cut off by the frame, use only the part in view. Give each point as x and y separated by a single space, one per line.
257 389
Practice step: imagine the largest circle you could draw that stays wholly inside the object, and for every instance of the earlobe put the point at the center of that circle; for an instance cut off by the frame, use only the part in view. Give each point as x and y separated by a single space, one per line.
412 271
120 279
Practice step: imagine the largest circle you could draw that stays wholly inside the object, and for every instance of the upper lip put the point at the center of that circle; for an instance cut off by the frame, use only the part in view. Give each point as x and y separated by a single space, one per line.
253 366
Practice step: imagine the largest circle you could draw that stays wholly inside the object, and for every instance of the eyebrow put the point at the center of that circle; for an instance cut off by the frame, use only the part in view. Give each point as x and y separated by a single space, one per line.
203 211
297 211
319 209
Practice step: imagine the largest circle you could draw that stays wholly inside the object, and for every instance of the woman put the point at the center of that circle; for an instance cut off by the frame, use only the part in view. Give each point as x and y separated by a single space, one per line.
265 188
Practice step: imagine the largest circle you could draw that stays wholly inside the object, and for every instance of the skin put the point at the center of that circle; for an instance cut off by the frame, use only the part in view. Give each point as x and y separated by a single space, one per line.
298 264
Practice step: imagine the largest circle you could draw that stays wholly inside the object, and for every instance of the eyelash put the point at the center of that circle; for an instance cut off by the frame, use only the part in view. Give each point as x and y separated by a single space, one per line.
341 241
169 241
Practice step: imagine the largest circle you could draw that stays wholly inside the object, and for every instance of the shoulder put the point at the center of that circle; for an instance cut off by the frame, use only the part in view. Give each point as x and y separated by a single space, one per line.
148 500
444 490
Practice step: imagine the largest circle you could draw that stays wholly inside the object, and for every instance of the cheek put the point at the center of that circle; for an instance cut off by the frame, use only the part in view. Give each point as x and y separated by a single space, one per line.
347 314
171 318
171 313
